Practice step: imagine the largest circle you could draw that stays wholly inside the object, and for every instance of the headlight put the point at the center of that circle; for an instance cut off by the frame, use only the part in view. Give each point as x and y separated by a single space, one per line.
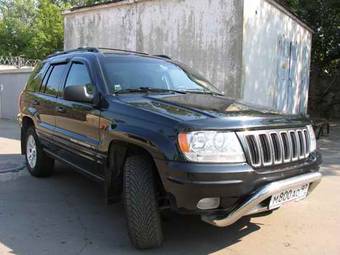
211 146
312 139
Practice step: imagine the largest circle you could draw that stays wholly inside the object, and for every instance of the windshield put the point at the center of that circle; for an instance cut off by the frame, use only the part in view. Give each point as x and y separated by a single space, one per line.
125 73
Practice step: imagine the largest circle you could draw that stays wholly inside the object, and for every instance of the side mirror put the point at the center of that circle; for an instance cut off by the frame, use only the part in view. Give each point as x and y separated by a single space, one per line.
78 93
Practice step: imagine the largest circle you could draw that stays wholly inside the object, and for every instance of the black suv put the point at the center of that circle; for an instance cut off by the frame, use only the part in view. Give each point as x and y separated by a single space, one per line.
159 136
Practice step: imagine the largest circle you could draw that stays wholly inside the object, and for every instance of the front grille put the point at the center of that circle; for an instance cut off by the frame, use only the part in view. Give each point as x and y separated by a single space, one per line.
273 147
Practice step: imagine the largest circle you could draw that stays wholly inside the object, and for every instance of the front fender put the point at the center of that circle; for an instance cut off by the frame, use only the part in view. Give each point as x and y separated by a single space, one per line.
158 140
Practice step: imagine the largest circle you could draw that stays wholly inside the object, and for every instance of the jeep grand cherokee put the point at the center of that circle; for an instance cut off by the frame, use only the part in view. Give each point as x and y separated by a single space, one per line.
159 136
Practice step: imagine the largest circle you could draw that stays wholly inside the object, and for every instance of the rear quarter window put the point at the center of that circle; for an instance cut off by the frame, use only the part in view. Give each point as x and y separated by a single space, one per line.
55 78
35 79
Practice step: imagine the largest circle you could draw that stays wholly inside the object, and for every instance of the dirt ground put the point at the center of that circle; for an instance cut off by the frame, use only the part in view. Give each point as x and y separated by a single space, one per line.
65 214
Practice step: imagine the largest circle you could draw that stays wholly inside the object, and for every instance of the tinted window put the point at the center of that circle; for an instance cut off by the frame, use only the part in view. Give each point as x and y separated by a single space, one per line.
55 79
124 72
79 75
36 77
43 84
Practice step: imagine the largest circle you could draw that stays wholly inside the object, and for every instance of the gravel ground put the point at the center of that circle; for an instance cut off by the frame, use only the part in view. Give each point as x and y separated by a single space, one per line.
66 215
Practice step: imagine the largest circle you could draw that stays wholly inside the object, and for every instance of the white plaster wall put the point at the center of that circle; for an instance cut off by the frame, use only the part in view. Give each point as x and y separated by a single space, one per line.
113 27
204 34
262 26
12 82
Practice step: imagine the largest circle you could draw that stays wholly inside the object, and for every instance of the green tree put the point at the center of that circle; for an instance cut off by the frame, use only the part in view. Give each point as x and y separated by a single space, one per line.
16 20
30 28
34 28
324 18
48 31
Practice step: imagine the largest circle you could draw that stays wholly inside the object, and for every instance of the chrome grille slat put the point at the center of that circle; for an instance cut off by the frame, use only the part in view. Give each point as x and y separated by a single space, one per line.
287 145
305 132
278 149
294 145
274 147
257 139
271 149
253 150
259 149
281 147
303 143
265 149
300 143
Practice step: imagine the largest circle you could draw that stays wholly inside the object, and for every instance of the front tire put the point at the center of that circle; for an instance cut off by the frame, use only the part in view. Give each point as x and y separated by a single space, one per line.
38 163
139 194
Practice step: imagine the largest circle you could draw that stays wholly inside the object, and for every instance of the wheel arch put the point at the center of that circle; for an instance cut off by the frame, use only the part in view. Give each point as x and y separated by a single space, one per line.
25 124
119 151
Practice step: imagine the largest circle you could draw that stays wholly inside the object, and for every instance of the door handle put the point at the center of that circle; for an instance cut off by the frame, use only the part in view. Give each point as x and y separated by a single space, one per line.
60 109
35 102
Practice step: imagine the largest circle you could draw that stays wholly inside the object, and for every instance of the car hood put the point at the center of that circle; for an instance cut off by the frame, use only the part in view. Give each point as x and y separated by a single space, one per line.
205 110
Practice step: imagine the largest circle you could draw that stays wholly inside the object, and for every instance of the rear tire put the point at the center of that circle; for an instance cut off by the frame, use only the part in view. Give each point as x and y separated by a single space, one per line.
143 217
38 163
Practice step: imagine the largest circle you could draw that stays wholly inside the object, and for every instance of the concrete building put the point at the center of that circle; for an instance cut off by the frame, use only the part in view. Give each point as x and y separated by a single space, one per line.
254 50
12 82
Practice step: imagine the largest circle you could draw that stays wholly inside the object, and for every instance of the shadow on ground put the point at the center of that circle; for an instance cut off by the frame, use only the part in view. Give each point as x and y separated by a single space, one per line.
65 214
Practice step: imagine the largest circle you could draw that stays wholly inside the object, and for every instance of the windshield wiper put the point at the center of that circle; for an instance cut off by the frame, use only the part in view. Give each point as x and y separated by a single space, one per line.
205 92
148 89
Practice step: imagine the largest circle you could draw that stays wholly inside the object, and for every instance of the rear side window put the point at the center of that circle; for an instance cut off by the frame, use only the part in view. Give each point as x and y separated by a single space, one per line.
79 75
43 84
36 77
54 80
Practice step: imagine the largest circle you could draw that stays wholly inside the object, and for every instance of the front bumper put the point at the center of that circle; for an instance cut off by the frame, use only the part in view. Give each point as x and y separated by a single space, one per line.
187 183
253 203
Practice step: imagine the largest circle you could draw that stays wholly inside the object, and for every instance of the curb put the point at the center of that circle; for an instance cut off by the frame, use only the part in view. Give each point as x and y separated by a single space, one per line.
12 174
12 170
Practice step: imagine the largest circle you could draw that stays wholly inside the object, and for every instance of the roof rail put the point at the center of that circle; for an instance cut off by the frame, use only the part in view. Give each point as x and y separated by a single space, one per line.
128 51
80 49
93 49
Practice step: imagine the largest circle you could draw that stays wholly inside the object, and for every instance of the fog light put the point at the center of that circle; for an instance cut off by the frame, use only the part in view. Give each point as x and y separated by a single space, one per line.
208 203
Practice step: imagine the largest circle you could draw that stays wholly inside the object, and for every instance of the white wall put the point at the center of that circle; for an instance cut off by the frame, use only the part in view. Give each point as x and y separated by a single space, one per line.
108 26
12 83
267 32
238 45
205 34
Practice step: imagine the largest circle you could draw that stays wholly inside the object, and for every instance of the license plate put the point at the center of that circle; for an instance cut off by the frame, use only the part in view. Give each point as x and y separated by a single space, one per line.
292 194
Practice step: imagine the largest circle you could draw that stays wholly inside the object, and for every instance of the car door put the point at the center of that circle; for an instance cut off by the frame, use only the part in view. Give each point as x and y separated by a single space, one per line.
77 123
44 101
